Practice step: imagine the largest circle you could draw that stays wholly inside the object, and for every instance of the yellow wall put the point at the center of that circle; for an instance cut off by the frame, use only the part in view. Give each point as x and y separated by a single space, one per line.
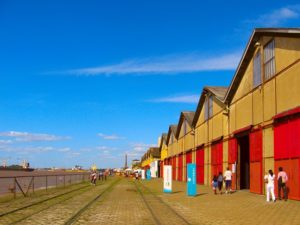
244 112
287 51
164 151
257 106
288 89
217 106
268 142
246 83
201 117
217 126
172 148
269 100
232 116
180 146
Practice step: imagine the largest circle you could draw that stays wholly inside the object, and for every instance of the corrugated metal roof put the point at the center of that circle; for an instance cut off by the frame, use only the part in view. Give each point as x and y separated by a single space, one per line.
172 129
154 151
188 116
162 140
218 92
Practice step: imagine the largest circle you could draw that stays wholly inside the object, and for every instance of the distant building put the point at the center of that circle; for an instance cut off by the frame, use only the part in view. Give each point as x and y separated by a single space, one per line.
136 164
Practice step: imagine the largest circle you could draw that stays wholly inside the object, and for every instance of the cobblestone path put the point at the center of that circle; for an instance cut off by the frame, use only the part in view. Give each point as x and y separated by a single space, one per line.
123 205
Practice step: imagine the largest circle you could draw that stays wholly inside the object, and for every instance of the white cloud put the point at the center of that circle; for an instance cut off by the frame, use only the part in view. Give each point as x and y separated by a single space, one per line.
109 137
178 99
277 17
139 148
73 154
6 142
31 149
30 137
102 148
169 64
67 149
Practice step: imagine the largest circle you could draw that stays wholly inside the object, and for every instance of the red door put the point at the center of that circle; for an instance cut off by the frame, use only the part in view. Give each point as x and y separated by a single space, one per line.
161 168
255 139
200 165
216 158
287 152
232 158
188 159
174 168
180 167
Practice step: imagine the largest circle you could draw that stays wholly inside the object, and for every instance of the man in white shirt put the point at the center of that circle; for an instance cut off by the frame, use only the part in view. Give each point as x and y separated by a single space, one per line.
228 178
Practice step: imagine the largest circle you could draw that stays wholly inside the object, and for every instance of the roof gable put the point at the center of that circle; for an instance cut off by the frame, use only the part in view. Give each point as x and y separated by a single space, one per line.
219 94
188 116
163 140
249 51
172 130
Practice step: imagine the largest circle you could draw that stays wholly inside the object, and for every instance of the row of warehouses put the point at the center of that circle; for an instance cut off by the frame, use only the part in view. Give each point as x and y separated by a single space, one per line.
251 126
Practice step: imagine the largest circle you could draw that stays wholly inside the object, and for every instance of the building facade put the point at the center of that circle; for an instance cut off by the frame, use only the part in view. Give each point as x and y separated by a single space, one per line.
251 126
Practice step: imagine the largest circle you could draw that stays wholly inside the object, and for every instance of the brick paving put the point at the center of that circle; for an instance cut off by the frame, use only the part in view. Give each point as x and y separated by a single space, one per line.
124 205
61 212
238 208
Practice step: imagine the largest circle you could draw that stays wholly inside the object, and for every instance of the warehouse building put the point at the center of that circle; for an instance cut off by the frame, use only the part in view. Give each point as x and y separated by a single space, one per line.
251 126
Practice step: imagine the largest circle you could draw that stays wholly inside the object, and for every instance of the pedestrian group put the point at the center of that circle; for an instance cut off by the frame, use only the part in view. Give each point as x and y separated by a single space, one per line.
269 178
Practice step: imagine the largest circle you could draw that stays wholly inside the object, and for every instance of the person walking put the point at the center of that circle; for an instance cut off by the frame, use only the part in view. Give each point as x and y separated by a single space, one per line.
214 184
282 178
228 178
105 174
101 175
136 175
269 179
93 178
220 182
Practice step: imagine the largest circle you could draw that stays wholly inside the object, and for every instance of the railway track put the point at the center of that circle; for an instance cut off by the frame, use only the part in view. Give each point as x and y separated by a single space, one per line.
23 213
78 206
161 212
75 216
41 201
64 208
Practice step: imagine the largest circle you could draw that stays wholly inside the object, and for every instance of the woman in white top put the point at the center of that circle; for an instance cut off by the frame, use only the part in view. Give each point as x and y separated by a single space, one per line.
269 179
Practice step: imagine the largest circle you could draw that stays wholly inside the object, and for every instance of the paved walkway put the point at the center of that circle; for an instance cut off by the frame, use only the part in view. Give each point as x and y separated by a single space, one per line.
123 204
239 208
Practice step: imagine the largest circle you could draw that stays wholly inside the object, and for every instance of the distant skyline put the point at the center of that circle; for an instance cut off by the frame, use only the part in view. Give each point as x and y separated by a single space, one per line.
85 83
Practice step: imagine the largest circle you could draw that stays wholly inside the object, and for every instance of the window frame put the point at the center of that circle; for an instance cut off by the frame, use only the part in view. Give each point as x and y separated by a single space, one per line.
257 78
208 113
269 60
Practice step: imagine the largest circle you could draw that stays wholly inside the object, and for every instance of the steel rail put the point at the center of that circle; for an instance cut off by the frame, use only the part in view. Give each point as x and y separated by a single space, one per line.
161 201
41 210
42 201
84 208
147 205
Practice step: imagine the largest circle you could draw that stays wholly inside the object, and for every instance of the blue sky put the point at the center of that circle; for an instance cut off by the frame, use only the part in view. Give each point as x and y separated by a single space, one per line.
85 82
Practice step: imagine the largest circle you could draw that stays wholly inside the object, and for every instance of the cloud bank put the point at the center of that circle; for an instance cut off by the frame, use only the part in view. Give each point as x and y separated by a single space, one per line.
110 137
31 137
277 17
189 99
164 65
